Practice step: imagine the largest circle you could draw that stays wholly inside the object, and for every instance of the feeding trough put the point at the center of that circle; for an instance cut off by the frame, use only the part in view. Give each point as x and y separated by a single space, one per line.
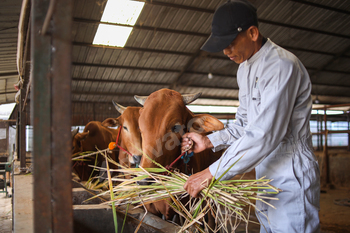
91 215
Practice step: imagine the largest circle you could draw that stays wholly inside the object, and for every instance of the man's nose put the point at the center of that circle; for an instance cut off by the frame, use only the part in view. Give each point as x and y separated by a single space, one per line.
226 51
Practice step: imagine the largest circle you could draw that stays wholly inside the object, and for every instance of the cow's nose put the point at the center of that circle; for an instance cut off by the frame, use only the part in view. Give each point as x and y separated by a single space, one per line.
146 181
137 160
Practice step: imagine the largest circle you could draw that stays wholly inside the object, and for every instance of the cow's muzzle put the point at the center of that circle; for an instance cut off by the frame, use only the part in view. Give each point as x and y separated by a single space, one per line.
137 160
147 181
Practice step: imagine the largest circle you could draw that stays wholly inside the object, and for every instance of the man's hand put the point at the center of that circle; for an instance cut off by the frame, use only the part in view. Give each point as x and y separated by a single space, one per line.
197 182
200 143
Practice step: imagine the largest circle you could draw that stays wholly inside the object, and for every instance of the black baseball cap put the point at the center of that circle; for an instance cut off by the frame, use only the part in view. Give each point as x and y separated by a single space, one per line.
229 19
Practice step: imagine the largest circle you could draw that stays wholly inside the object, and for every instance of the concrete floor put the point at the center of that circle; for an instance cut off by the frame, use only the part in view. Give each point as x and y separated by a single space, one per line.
334 218
23 204
5 213
22 208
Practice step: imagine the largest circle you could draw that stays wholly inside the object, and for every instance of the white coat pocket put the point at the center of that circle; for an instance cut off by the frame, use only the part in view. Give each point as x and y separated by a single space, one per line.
256 98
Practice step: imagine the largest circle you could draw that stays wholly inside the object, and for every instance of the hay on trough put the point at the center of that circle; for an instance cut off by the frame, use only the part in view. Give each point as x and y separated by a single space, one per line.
229 201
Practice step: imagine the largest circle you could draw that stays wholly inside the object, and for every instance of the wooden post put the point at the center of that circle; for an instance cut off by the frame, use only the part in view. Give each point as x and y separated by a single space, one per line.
325 148
348 120
318 132
321 123
61 116
22 132
51 114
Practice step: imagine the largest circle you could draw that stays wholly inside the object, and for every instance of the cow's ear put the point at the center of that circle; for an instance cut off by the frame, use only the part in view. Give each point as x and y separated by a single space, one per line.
204 123
111 122
81 136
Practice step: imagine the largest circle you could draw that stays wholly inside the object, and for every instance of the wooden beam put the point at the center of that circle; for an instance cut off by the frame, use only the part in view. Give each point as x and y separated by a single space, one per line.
211 11
343 11
9 74
142 27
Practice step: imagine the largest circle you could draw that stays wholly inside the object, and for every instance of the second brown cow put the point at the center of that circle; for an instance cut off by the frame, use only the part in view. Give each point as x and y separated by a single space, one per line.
99 135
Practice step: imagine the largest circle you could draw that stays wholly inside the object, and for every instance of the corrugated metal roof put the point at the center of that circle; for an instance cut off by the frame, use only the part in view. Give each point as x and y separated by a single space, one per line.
163 51
9 15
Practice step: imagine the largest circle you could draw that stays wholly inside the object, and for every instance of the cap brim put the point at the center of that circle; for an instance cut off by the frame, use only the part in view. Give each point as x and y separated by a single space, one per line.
216 44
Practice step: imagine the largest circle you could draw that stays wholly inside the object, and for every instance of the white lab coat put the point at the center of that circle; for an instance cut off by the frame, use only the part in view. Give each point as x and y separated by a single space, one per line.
272 131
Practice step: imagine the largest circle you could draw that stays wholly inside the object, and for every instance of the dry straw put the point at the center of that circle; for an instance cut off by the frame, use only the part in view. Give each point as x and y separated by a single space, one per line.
229 201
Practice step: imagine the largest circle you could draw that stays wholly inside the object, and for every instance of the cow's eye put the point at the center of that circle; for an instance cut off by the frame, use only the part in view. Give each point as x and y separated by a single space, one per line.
176 128
124 127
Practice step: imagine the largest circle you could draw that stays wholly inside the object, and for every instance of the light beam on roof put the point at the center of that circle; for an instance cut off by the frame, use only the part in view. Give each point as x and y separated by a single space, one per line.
117 11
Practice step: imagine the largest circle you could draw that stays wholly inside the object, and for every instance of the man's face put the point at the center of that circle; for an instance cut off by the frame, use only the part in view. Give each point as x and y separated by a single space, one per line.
241 48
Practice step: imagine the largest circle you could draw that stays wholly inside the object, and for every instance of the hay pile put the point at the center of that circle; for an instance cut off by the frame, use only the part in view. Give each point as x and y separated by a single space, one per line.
227 200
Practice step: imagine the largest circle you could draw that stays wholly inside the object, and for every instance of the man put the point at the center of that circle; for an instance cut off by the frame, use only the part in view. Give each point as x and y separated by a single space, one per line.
271 130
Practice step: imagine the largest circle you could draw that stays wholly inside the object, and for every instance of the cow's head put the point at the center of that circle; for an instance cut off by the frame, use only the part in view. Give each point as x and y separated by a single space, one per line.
78 138
130 136
163 120
82 170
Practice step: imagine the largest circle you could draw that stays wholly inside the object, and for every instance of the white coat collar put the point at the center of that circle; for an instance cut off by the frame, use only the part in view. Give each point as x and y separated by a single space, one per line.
260 53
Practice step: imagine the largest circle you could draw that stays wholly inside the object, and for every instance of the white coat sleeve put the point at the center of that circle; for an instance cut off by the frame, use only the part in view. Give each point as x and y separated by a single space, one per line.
278 87
225 137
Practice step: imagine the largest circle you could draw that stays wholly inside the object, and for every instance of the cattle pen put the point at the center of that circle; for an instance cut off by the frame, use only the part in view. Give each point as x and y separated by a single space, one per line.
59 77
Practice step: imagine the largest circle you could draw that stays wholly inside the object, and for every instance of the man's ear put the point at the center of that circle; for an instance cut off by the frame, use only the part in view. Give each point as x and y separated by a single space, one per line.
111 122
204 123
253 33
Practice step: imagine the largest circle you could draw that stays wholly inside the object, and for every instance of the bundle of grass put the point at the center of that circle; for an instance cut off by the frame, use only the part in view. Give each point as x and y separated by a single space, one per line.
82 156
95 184
226 200
94 181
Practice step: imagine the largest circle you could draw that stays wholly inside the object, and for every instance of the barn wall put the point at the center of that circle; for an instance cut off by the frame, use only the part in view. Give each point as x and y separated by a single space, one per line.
4 139
339 166
83 113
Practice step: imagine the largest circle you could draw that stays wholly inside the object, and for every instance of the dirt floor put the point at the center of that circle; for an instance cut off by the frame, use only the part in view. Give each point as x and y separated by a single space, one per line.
335 210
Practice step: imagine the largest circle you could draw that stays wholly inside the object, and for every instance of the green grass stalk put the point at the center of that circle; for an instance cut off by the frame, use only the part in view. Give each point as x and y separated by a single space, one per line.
115 220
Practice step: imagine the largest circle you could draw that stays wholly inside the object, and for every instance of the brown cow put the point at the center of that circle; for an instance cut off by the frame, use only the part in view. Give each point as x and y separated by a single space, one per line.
164 118
130 136
97 134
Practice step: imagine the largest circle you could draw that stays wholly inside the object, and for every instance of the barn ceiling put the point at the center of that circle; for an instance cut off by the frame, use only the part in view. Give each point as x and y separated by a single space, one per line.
9 18
163 51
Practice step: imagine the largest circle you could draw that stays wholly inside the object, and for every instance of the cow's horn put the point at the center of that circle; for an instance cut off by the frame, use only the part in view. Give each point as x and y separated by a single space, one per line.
140 99
119 107
189 98
75 131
